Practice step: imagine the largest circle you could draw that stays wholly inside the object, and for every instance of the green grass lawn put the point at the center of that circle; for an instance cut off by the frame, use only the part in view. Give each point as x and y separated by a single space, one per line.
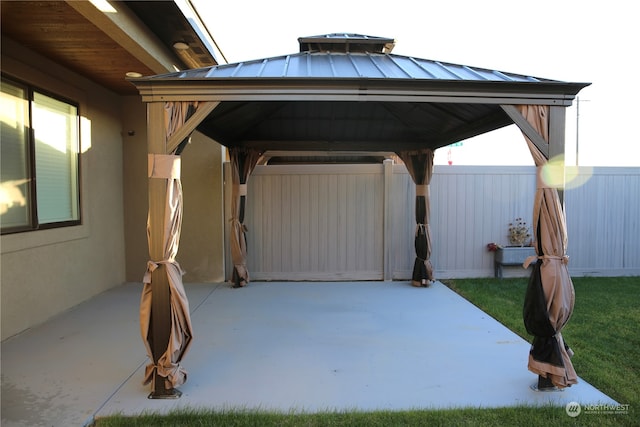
603 332
468 417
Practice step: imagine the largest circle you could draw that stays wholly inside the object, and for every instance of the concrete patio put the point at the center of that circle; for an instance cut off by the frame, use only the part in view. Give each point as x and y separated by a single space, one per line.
302 346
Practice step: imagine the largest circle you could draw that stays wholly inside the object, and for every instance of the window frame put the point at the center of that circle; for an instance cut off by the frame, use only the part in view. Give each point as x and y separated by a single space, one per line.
34 224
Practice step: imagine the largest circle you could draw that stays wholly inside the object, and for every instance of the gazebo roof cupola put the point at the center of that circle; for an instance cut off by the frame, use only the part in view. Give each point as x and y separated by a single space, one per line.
346 43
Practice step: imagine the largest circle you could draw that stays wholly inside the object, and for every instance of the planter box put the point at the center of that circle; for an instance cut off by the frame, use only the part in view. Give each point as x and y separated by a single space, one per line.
511 255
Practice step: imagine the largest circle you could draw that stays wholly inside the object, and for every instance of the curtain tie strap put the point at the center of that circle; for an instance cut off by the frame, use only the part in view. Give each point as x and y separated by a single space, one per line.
564 258
235 223
422 190
165 166
530 259
421 227
153 266
527 262
242 189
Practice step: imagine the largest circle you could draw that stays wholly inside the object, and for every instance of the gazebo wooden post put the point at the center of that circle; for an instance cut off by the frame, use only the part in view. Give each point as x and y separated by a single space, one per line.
550 296
557 123
160 303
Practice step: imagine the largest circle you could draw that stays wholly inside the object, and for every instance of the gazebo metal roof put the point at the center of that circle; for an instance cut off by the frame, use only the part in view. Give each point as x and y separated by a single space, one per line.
350 65
346 92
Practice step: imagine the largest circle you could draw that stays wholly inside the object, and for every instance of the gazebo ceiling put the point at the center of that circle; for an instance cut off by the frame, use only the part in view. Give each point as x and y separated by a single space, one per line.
346 92
348 125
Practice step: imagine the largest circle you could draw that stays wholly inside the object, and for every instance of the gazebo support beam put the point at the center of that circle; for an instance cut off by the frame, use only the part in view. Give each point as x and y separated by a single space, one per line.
527 129
340 146
190 125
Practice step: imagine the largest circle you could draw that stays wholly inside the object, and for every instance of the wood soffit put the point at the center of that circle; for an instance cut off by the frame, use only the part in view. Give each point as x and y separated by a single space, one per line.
83 39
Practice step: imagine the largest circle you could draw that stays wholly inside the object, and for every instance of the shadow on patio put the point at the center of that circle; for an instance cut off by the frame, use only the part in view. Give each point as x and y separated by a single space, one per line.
277 345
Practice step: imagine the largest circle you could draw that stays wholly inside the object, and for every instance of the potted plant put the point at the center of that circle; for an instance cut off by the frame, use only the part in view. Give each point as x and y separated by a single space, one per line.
518 250
519 233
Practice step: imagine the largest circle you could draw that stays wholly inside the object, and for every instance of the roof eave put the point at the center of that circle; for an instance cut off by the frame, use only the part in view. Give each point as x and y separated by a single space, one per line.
155 89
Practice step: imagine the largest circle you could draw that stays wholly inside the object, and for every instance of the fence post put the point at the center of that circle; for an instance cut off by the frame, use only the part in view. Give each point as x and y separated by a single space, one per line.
387 220
226 175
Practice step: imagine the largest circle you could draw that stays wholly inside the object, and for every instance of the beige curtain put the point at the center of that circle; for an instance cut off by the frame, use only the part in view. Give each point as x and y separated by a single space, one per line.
550 295
243 161
419 163
167 167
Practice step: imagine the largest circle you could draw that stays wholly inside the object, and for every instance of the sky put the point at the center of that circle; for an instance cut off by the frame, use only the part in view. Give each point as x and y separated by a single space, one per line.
567 40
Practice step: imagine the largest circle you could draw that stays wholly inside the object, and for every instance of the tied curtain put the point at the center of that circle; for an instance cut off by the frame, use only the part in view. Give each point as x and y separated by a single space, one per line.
550 296
164 269
419 163
243 161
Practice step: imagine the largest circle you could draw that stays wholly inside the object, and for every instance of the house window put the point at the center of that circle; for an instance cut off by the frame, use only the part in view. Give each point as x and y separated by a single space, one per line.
39 185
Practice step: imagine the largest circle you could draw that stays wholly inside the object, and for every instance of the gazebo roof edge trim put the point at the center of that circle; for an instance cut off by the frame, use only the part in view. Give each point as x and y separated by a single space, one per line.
551 93
340 81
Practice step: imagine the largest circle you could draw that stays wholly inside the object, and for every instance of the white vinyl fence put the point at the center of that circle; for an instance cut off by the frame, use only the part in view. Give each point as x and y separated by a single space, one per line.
356 222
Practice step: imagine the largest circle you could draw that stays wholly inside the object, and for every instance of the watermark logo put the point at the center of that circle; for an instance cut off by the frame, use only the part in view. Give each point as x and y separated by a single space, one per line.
573 409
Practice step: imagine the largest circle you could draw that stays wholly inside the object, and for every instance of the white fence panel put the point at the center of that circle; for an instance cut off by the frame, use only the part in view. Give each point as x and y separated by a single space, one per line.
603 219
470 207
326 222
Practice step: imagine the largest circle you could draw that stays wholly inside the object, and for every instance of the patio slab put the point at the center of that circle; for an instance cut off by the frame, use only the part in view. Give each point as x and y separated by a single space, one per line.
303 346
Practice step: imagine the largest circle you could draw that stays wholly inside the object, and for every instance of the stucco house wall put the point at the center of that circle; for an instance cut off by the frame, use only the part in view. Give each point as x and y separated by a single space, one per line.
47 272
201 252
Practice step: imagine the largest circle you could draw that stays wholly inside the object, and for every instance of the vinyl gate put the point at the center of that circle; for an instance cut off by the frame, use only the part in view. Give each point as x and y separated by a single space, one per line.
316 222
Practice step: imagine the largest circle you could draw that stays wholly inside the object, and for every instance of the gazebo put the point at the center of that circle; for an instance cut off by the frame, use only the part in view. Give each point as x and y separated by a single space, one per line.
340 92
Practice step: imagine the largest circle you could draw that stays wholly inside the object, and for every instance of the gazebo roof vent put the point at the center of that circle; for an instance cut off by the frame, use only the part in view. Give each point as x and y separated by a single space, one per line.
343 42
